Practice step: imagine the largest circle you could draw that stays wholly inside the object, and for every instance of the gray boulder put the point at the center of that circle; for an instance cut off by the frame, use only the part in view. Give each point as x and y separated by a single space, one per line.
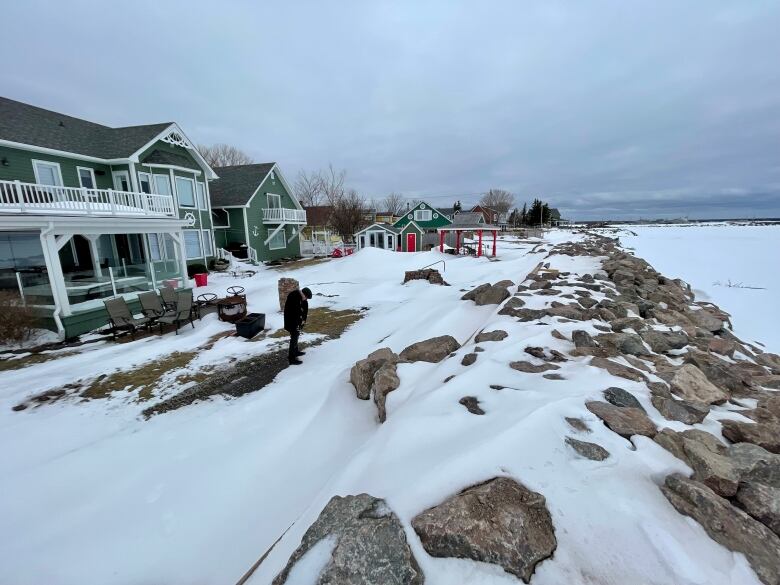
715 471
664 341
362 373
499 522
626 343
385 381
622 398
588 450
369 545
496 335
582 339
431 350
529 368
691 384
683 411
493 295
727 525
762 502
761 434
472 294
618 370
755 464
472 404
624 421
705 320
468 359
540 284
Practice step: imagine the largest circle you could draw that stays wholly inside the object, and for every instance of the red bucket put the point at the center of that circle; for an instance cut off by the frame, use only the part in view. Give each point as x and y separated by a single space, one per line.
201 279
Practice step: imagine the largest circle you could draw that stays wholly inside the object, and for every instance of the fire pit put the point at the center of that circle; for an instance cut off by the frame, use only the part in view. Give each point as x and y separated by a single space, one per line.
232 308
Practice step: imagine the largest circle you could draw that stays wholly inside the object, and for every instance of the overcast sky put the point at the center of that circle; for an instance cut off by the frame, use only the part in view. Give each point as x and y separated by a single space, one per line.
620 109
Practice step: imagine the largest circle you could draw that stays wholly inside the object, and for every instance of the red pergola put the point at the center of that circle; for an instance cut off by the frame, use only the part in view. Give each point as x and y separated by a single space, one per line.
479 228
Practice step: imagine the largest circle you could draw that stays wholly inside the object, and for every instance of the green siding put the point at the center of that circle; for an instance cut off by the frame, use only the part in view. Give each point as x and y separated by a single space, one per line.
434 223
408 228
258 231
19 167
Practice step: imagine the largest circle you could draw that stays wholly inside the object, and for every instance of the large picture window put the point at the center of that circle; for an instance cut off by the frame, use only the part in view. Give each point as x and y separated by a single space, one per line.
192 244
185 189
279 241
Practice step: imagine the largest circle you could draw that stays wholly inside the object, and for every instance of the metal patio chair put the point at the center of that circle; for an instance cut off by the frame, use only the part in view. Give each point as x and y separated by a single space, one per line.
121 318
152 306
182 314
168 295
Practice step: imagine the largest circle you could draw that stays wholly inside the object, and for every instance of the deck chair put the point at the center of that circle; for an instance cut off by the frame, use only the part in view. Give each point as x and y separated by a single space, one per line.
182 314
168 297
121 319
151 305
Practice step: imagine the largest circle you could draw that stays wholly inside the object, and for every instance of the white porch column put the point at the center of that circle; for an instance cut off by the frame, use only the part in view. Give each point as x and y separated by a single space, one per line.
93 250
54 267
178 238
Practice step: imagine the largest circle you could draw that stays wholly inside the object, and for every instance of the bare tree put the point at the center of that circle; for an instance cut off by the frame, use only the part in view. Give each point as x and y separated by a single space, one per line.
332 184
224 155
308 188
394 203
348 216
498 199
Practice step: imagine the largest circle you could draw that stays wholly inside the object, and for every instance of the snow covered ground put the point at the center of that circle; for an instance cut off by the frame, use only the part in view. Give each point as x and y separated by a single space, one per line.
92 493
735 266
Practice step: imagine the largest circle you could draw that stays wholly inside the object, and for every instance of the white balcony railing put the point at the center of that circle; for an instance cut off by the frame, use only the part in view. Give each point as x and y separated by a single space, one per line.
18 197
283 215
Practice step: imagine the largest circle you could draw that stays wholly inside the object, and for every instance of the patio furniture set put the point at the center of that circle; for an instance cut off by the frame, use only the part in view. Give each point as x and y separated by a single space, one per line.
172 307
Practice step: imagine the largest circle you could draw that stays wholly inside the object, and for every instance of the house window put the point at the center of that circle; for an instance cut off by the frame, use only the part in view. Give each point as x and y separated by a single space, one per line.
422 215
274 200
162 185
220 218
185 189
201 191
390 242
155 247
192 244
145 182
86 177
47 173
279 240
208 249
121 180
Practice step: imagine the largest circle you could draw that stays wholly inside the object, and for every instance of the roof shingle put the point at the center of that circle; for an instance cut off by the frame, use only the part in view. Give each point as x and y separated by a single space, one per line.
26 124
237 184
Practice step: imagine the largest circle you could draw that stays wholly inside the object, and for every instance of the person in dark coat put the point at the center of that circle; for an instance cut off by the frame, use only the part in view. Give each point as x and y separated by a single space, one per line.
296 309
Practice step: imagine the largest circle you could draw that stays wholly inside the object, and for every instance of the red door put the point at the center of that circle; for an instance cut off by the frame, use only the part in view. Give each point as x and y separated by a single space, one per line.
411 242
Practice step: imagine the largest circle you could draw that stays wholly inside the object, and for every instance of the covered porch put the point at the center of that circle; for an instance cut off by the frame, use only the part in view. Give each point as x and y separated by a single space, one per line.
67 266
478 239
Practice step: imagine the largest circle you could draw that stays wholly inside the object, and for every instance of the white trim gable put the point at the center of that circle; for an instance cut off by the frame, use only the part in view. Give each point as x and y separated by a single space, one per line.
173 134
415 208
290 192
384 227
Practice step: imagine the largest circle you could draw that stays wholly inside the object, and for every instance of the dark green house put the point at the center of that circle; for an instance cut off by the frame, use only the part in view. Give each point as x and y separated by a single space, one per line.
418 227
89 212
255 212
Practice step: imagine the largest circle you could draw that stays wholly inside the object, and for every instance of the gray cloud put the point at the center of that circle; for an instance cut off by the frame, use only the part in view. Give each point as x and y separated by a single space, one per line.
604 108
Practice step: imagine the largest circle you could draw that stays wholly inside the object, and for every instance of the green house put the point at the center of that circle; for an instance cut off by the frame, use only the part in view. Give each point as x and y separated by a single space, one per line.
418 227
89 212
255 213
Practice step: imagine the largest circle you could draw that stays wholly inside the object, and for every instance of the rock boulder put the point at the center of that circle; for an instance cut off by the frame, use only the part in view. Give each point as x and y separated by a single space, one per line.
499 522
431 350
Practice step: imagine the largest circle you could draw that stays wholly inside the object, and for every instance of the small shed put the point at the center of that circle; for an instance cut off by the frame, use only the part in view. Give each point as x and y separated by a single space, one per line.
463 229
378 235
412 237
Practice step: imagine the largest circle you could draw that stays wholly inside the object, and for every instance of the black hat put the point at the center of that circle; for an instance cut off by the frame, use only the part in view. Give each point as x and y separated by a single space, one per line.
306 292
